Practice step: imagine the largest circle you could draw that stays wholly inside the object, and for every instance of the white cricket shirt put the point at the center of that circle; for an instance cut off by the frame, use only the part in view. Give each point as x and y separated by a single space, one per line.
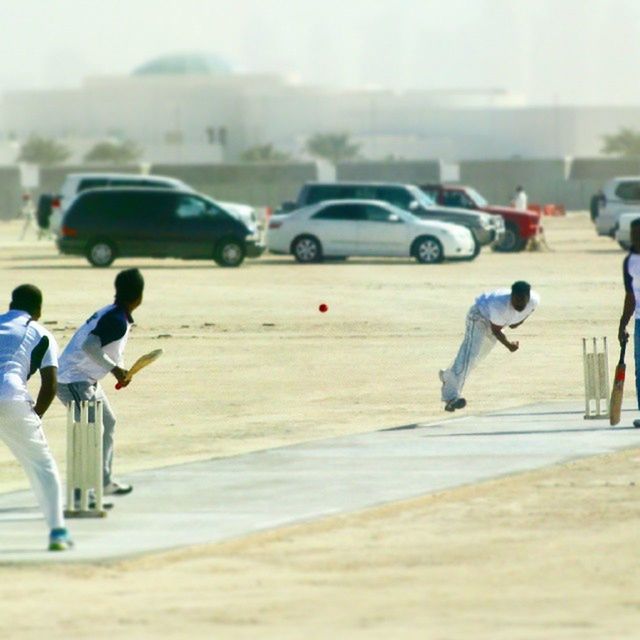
25 347
631 276
495 306
112 325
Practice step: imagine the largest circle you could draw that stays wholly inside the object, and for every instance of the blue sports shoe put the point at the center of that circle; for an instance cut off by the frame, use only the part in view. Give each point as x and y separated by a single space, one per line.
60 540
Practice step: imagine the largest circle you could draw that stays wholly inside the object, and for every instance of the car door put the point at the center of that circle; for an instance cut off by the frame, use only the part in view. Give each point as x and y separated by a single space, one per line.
145 221
336 226
383 232
192 227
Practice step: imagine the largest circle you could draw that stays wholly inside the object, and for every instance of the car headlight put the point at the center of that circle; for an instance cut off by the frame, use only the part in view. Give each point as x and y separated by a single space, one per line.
486 222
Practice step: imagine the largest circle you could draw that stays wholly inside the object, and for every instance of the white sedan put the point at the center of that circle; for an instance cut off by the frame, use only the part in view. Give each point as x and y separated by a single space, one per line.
342 228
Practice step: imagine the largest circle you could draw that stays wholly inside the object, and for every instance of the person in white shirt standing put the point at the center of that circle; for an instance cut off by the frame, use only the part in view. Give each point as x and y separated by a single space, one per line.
486 319
95 350
27 347
520 200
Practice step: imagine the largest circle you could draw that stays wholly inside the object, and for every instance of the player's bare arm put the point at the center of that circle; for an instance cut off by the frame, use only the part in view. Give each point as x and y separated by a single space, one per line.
627 312
497 332
48 386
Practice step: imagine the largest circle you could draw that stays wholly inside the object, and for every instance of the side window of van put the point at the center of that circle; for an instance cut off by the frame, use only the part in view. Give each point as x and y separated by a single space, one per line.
190 207
92 183
628 191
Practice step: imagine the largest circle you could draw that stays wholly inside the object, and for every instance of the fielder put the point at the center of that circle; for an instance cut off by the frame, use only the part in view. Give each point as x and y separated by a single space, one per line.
27 347
486 319
95 350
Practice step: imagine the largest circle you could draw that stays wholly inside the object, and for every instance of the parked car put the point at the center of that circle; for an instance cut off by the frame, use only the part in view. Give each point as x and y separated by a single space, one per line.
619 195
520 226
623 232
76 183
485 228
103 224
343 228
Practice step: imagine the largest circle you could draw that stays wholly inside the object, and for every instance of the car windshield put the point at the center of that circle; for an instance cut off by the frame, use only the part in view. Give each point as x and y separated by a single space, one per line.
477 198
421 197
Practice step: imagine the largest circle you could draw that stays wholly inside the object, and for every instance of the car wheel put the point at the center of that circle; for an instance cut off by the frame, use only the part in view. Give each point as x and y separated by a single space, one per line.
428 250
511 240
307 249
101 253
229 253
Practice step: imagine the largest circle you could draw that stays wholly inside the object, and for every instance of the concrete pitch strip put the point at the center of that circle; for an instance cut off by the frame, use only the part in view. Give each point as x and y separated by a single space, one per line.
225 498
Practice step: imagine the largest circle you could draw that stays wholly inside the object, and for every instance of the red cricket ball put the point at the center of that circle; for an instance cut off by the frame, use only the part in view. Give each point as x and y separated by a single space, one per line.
323 308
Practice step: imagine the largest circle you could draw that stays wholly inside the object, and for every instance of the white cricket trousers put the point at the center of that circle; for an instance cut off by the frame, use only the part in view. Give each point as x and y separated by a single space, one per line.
21 430
478 341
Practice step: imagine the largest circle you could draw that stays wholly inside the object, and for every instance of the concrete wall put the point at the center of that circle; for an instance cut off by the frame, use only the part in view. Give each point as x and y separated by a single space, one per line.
603 168
255 184
10 193
543 180
411 172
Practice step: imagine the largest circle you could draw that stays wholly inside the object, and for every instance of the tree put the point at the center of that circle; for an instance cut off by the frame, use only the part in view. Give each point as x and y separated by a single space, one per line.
334 147
625 143
115 152
264 153
43 151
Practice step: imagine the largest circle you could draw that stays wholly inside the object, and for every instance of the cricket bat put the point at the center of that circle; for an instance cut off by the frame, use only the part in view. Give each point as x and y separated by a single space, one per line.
141 363
615 406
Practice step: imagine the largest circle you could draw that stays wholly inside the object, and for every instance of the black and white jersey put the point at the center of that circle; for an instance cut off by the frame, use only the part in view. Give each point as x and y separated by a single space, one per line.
25 347
111 324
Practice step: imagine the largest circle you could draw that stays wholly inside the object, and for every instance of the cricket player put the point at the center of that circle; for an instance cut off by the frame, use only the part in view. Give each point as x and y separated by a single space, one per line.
27 347
486 319
95 350
631 307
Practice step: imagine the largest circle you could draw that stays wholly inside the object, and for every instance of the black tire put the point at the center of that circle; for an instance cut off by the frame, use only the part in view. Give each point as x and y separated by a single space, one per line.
229 253
307 249
101 252
428 250
511 241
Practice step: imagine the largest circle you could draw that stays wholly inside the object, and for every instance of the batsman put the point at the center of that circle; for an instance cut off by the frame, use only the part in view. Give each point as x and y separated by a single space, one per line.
631 307
96 350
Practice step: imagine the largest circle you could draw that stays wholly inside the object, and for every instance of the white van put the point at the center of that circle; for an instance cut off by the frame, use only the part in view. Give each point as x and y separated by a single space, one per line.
623 232
619 195
76 183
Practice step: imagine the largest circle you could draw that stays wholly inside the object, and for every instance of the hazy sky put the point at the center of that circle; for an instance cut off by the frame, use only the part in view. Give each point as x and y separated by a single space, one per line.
568 51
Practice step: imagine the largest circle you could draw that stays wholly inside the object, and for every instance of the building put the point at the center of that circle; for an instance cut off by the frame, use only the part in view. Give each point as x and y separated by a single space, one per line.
193 108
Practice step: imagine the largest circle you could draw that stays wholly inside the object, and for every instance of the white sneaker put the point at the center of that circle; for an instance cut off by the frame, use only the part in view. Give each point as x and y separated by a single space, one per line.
117 489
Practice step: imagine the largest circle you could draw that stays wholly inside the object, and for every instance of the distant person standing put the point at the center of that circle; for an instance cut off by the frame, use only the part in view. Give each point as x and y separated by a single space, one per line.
27 347
520 200
95 350
489 315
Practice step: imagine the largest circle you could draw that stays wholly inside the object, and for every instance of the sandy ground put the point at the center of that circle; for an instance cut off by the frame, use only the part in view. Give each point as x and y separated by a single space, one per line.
250 363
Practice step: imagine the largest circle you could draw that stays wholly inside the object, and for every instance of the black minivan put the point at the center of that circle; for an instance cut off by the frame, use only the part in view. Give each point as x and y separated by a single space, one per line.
103 224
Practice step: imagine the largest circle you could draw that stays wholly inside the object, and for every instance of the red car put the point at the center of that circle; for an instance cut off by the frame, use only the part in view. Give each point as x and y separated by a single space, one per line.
520 226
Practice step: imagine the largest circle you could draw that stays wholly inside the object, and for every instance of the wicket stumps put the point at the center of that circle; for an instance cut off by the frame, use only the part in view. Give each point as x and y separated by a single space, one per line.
84 460
596 379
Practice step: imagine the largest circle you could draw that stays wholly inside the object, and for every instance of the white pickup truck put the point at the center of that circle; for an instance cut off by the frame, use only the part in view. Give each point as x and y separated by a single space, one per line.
623 232
619 196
